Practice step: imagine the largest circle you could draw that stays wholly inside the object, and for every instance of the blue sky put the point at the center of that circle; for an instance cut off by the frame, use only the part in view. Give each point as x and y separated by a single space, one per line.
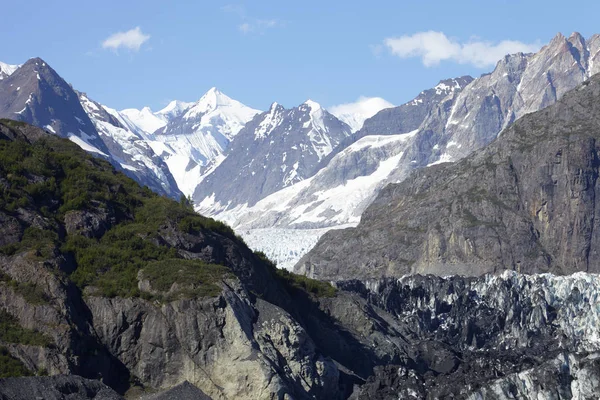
263 51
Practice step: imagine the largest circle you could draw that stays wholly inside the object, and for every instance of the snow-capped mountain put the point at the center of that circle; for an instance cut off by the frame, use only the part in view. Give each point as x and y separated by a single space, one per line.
149 121
355 114
276 149
144 119
196 135
36 94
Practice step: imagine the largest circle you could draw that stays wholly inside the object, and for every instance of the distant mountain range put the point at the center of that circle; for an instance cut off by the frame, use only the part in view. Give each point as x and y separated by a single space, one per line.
443 124
303 167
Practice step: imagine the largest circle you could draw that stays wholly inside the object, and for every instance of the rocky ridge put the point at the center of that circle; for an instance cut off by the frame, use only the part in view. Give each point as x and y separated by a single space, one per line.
275 150
526 203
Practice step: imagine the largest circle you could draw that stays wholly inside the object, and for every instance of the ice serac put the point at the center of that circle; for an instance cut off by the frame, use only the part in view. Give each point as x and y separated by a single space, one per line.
490 338
526 202
128 148
274 150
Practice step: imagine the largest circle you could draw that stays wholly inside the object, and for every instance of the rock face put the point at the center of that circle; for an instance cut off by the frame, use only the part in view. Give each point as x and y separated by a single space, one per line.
526 202
520 84
184 391
165 345
60 387
275 150
410 116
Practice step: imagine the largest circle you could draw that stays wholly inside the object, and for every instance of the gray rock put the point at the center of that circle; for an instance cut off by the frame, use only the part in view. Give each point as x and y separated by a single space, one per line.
183 391
88 224
59 387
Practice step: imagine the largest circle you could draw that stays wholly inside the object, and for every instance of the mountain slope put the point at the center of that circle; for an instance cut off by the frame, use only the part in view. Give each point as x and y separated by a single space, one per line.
97 274
275 150
104 279
526 202
128 148
520 84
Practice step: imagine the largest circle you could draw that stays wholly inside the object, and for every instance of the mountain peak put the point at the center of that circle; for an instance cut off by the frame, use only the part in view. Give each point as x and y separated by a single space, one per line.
174 108
576 35
313 105
212 99
557 40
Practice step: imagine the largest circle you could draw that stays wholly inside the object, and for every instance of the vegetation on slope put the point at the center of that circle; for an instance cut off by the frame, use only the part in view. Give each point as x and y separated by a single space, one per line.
54 177
298 282
10 366
11 331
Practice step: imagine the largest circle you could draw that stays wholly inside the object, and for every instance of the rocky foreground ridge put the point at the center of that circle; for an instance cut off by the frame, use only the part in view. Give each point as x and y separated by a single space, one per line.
114 291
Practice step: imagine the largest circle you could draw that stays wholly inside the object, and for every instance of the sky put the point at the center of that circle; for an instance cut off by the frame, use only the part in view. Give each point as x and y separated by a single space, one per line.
130 54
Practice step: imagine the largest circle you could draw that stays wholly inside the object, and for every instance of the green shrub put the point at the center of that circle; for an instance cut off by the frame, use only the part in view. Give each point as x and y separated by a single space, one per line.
313 286
10 366
30 292
53 176
199 278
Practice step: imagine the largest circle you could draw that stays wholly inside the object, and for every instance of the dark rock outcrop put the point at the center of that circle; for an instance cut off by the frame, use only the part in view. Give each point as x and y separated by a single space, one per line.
59 387
183 391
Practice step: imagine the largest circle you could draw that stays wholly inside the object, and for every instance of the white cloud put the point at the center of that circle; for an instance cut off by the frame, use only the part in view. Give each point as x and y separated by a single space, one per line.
355 114
433 47
250 24
258 25
131 40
